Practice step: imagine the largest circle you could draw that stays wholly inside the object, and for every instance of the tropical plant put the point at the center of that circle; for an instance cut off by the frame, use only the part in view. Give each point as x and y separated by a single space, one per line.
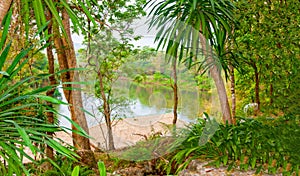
189 28
82 171
85 17
58 36
261 144
67 167
22 115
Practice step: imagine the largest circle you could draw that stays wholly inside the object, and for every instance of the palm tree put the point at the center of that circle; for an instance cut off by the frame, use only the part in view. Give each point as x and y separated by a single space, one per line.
22 117
193 27
58 21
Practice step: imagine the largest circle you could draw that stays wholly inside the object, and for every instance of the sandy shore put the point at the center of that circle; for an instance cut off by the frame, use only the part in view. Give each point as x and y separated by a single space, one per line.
128 131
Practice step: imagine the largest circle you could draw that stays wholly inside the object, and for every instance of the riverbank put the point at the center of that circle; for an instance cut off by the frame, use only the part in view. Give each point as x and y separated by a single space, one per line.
127 132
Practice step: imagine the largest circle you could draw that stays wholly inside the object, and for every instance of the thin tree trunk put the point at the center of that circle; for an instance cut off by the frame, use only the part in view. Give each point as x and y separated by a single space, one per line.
175 90
232 89
271 94
4 7
62 61
81 143
106 109
50 115
215 72
257 100
271 90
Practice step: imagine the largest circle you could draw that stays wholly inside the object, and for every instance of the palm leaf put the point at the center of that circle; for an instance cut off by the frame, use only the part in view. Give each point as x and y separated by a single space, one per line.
212 18
22 117
6 22
4 54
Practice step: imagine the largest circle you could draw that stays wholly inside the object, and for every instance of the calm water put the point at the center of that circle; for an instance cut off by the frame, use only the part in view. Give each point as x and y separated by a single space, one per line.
143 100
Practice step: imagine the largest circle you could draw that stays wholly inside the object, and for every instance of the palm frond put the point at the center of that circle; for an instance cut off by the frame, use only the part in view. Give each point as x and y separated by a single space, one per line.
181 22
23 122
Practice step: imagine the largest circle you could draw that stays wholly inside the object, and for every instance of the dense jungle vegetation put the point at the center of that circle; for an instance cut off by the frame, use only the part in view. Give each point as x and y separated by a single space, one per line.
245 53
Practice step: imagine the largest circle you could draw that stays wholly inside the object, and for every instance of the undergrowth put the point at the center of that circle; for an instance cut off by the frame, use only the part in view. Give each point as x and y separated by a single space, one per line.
267 145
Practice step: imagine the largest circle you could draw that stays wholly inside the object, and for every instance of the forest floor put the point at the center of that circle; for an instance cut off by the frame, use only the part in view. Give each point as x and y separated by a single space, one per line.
128 132
196 167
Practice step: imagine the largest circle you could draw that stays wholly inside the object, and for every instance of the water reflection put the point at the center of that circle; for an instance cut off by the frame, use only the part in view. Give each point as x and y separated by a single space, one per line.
145 100
160 99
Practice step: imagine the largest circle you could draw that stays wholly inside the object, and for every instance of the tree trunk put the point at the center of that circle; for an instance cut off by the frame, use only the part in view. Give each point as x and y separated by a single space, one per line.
81 143
215 72
271 94
232 89
66 59
4 7
271 89
257 100
106 109
50 115
175 90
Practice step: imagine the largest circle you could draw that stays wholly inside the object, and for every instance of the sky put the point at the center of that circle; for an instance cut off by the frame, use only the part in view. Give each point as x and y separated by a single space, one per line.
140 28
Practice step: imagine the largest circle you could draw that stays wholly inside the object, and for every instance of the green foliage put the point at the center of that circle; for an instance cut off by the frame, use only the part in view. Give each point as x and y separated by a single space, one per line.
101 168
264 144
105 53
75 171
153 147
162 78
140 78
267 39
141 62
94 16
66 167
39 7
203 82
70 168
22 115
108 55
180 24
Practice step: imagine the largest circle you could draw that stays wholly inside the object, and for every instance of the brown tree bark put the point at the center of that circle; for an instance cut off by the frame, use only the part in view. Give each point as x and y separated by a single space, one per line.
215 73
233 97
67 60
106 108
50 115
257 99
271 90
271 94
81 143
4 7
175 90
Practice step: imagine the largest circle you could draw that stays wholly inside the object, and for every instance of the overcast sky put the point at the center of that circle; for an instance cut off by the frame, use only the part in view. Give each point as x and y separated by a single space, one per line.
140 27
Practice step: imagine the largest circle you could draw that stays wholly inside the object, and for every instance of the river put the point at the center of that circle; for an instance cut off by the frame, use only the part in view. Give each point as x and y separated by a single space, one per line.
147 100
